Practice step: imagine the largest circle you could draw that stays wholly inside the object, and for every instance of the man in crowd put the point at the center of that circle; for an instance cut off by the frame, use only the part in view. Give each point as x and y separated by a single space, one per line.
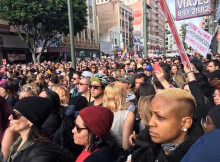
139 78
83 87
97 86
213 65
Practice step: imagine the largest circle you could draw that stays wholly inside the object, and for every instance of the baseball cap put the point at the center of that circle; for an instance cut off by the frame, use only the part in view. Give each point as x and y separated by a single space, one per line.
127 79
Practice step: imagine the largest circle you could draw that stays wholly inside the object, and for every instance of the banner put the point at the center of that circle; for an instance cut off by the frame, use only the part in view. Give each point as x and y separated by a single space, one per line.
198 39
170 21
186 9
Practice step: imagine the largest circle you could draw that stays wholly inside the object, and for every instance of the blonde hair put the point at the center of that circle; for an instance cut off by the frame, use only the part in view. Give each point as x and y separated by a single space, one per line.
144 108
180 80
31 88
180 96
114 97
63 93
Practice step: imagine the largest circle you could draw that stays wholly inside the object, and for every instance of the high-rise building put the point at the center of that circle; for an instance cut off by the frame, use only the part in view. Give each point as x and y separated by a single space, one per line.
115 20
155 25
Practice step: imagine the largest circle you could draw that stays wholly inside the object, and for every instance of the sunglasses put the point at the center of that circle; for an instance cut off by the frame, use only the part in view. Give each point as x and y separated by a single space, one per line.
94 86
79 129
16 115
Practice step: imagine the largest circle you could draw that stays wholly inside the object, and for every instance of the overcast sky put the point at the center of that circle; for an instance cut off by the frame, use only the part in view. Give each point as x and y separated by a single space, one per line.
171 4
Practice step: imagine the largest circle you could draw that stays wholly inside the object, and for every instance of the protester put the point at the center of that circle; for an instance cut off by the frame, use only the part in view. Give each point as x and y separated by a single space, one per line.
114 99
171 125
27 118
92 131
97 87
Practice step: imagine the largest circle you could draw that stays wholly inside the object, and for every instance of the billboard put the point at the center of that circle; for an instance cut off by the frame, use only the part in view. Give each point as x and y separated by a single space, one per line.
186 9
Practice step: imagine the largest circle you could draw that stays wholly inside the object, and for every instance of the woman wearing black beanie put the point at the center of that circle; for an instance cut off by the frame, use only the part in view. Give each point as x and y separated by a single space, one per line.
27 118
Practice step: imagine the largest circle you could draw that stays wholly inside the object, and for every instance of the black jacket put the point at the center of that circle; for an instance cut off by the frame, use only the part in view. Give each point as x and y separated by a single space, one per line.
52 123
102 155
152 152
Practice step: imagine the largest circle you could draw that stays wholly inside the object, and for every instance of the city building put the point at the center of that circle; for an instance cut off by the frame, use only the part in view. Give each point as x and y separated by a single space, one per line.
115 20
170 43
86 42
155 26
12 48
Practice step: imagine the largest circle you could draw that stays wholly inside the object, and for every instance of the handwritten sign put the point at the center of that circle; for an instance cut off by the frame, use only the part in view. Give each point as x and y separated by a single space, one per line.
198 39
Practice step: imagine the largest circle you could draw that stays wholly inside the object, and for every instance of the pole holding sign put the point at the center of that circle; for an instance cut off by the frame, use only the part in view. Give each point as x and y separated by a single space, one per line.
170 21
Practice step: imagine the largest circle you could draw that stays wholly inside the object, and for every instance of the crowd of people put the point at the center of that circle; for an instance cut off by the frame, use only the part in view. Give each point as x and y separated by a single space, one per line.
140 110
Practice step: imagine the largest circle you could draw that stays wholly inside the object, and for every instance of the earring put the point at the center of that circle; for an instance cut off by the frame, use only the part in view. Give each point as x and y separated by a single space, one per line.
184 129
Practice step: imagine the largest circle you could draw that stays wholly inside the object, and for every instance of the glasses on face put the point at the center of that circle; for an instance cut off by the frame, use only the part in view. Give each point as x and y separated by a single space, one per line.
79 129
205 121
16 115
94 86
81 84
25 89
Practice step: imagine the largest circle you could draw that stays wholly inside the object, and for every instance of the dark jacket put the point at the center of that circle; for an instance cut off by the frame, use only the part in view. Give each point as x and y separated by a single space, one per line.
52 123
206 148
102 155
152 153
196 91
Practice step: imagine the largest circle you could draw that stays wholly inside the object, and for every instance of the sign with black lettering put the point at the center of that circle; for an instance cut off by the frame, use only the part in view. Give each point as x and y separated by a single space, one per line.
198 39
186 9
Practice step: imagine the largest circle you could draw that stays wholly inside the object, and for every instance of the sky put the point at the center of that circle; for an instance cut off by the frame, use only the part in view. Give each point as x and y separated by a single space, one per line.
171 4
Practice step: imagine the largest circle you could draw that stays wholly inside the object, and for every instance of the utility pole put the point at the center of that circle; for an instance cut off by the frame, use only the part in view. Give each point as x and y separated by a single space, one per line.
71 29
145 28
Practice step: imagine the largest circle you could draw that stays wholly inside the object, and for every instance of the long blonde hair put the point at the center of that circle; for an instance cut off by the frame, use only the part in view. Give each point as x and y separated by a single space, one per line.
114 97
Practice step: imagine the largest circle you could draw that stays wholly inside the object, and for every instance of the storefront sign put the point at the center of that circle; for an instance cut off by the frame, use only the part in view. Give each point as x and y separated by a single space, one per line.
186 9
198 39
16 57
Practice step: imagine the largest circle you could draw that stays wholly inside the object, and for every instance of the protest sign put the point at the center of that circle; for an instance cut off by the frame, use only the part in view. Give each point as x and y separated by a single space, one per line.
198 39
186 9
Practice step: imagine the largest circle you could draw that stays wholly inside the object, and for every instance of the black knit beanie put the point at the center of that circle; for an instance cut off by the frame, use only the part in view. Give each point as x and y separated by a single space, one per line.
215 115
34 108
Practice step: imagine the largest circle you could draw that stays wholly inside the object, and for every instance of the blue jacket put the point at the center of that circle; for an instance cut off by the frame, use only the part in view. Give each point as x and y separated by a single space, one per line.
205 149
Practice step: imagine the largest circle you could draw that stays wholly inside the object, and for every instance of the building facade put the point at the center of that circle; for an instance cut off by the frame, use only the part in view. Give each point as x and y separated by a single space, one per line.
115 19
155 26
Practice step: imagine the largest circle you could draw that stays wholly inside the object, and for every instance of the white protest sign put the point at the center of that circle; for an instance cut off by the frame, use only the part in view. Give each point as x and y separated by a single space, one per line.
198 39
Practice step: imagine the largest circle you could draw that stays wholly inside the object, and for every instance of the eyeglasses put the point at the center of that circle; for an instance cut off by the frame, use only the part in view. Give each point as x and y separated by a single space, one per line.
94 86
81 84
79 129
16 115
205 121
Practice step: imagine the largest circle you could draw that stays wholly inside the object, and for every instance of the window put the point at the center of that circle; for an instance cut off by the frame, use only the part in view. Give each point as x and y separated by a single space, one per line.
116 42
126 35
123 24
120 22
123 34
126 42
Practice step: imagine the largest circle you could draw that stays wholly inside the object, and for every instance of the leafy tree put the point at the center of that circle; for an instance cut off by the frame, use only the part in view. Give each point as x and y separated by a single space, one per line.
45 20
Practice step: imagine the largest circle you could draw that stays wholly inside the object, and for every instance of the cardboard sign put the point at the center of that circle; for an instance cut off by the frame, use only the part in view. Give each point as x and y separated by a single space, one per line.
186 9
198 39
